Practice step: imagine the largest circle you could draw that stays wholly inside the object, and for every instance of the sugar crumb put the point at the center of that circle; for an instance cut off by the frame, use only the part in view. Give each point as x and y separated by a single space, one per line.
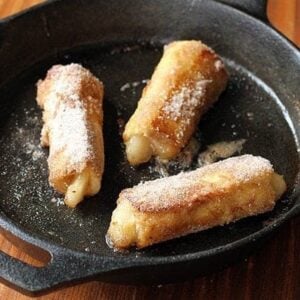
134 84
220 150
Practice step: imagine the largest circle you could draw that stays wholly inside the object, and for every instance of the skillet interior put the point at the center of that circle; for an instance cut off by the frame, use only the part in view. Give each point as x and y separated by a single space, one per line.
248 109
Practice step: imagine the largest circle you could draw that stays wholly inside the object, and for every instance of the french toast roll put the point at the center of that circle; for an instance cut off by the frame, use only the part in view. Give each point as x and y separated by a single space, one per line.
71 99
216 194
187 81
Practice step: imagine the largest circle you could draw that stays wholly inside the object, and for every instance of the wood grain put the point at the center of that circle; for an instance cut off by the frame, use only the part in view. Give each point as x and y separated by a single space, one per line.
272 273
285 16
8 7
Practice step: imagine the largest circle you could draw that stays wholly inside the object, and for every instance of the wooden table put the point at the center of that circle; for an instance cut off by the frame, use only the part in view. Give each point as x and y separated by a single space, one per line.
272 273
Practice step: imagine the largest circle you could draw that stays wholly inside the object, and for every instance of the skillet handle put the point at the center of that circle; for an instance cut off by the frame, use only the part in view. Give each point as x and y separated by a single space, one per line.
19 275
255 8
63 269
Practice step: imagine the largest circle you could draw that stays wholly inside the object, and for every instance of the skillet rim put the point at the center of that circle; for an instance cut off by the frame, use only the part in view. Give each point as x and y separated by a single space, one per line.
40 6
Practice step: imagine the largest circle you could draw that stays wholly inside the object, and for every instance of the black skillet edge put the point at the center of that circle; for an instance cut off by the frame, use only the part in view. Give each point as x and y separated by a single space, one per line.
255 8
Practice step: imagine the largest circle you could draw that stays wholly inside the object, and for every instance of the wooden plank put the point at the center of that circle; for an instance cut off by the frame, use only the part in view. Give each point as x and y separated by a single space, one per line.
284 15
8 7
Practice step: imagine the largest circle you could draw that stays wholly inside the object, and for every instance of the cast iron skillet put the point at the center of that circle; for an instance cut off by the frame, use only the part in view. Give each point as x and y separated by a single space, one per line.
121 42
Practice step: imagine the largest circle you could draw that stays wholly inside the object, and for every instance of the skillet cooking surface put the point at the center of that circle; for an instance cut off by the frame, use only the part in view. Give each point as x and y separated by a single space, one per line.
248 109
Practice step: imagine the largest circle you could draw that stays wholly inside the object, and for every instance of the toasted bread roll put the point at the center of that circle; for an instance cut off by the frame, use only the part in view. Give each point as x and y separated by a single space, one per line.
187 81
71 98
213 195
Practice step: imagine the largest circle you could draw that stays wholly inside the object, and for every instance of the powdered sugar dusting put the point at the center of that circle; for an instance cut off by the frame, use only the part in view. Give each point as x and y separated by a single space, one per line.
57 201
34 150
66 111
125 86
65 87
177 190
184 103
69 133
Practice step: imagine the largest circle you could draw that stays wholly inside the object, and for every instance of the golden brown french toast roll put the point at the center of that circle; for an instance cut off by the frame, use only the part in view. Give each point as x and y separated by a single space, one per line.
175 206
187 81
71 99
